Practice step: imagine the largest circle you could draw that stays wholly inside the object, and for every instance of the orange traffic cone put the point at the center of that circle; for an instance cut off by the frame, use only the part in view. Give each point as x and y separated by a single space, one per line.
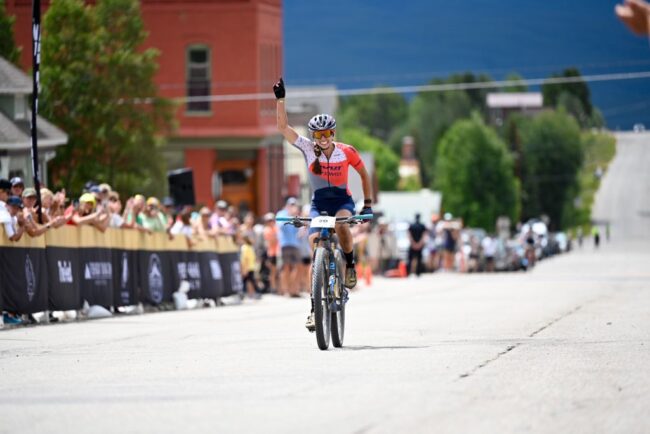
368 275
402 269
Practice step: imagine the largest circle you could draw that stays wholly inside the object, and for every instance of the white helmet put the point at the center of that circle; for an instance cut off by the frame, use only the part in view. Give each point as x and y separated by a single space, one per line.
322 122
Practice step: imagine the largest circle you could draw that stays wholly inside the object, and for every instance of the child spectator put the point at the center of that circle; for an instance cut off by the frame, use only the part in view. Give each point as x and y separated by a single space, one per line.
17 186
248 266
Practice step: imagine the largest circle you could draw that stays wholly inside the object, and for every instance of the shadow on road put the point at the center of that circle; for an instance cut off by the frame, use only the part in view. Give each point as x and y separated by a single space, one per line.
370 347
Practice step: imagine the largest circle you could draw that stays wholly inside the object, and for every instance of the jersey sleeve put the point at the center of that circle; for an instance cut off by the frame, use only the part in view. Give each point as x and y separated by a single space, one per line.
353 157
304 144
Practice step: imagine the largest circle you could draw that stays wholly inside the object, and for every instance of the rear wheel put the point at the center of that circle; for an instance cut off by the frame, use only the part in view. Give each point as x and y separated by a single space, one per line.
338 316
322 316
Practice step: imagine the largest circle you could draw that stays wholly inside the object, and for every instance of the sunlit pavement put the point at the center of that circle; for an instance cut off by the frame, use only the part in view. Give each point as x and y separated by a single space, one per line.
564 348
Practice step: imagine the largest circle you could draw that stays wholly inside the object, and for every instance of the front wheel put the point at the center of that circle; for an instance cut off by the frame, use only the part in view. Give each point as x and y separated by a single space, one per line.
338 315
322 316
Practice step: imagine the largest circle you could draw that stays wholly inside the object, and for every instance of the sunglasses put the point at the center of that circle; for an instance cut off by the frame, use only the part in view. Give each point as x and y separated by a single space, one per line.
326 133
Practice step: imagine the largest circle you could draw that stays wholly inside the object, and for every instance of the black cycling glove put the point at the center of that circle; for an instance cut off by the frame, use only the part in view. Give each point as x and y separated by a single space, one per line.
366 210
278 89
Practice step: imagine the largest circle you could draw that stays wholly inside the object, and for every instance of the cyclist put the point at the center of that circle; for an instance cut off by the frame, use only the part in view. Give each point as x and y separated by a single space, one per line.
327 163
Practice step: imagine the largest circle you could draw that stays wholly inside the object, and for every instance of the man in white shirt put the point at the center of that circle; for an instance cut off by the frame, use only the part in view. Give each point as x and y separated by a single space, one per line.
5 192
12 218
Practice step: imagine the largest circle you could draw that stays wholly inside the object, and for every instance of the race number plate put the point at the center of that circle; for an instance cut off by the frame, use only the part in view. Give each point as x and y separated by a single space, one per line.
323 222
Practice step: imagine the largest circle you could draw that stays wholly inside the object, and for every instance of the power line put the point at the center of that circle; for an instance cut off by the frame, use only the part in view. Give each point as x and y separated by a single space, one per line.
442 87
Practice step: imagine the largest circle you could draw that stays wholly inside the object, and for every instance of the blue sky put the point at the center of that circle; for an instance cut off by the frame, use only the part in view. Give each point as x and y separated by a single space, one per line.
365 43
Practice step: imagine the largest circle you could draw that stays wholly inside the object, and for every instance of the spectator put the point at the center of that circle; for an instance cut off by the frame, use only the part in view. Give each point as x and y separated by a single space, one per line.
289 249
595 232
489 245
88 214
270 234
248 266
434 244
450 236
151 218
114 206
32 227
232 216
5 192
183 226
202 226
103 191
57 207
305 254
219 220
417 237
17 186
47 200
169 210
12 218
382 246
132 211
247 227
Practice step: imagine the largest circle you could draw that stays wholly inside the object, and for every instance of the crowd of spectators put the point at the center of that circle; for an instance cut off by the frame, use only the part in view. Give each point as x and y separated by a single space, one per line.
274 258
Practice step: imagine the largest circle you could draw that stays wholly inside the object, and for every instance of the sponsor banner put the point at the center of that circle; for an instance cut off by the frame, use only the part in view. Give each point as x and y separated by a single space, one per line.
125 277
231 271
155 276
187 267
211 275
96 276
24 279
63 270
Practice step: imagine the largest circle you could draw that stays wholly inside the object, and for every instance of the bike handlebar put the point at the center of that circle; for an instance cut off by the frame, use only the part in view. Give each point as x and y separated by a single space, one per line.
351 219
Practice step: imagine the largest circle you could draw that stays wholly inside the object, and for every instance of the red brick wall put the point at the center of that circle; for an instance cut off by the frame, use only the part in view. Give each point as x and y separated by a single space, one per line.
245 38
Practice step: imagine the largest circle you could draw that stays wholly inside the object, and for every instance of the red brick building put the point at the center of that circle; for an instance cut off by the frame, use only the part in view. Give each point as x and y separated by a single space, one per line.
213 47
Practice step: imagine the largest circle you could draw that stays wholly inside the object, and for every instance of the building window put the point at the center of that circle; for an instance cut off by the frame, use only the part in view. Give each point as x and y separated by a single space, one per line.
198 78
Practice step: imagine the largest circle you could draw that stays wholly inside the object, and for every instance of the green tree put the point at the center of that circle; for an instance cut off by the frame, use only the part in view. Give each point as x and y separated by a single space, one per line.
378 113
8 48
474 172
432 113
552 156
98 87
386 161
519 86
580 90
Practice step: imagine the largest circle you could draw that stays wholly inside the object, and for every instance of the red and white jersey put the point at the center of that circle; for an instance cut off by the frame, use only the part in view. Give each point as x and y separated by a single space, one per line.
333 179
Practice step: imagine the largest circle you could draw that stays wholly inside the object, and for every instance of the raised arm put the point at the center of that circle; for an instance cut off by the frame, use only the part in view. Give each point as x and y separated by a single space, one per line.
283 123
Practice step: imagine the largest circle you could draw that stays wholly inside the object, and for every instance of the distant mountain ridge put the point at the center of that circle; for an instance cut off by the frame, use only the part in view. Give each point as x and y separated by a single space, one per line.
367 43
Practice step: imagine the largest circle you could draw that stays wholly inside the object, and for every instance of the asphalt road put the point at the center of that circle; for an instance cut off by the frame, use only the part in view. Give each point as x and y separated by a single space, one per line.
564 348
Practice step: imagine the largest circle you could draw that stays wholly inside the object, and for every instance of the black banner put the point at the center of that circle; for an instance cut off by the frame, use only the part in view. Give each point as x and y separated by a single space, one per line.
96 276
125 277
155 276
63 278
231 269
211 275
24 279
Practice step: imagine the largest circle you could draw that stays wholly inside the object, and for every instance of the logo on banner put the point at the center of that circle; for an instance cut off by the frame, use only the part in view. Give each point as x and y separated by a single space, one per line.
235 277
191 272
124 284
155 279
125 271
215 268
30 278
100 272
65 271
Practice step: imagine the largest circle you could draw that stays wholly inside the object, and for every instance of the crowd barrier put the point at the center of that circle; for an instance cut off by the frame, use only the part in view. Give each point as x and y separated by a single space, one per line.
119 267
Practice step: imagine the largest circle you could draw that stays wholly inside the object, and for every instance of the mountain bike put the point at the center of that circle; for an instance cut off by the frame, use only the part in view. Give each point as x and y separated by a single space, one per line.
328 293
